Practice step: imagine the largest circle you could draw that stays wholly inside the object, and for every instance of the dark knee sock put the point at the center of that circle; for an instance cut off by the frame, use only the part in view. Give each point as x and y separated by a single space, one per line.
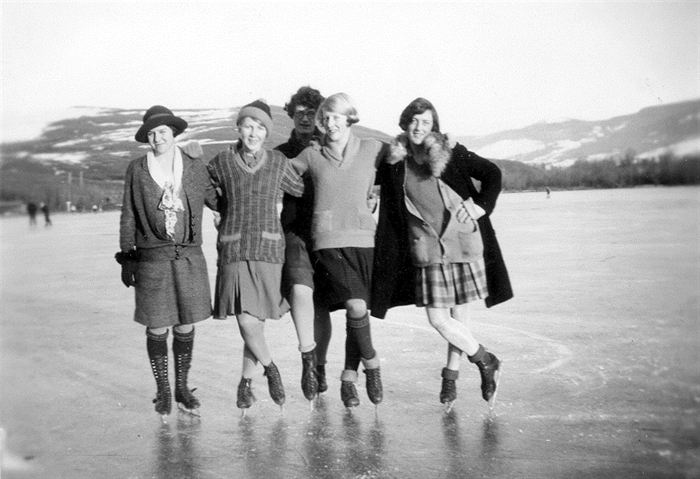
358 328
183 342
156 344
352 350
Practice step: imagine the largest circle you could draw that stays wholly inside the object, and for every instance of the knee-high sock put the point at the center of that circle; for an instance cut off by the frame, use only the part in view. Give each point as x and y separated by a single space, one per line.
358 342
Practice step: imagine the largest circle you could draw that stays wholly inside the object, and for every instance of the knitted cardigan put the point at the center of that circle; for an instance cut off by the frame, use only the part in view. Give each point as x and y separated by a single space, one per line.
142 225
250 228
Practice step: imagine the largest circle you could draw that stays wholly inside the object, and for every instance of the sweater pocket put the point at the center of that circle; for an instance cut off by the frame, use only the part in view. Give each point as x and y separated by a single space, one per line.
323 221
420 251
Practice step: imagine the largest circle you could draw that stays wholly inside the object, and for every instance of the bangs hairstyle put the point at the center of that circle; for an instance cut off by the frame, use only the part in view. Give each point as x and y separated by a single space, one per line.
307 97
338 103
256 120
418 107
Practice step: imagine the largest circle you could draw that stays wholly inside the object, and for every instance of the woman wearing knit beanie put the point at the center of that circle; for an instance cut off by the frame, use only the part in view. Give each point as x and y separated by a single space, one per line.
251 244
342 168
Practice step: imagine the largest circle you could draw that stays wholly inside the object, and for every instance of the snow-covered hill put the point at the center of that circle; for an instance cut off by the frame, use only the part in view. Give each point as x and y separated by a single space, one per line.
651 132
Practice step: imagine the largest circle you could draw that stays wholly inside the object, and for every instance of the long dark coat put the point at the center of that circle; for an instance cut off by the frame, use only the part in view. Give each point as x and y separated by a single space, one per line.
393 277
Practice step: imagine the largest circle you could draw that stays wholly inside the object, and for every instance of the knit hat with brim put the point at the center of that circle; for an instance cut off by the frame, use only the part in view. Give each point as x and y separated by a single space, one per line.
156 116
258 110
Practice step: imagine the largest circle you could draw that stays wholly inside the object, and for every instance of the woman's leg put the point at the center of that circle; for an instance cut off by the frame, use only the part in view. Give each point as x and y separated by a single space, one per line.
456 332
301 299
323 329
359 343
157 347
253 332
183 344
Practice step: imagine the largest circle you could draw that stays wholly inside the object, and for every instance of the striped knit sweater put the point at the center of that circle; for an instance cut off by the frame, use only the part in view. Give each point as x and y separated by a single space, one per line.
250 228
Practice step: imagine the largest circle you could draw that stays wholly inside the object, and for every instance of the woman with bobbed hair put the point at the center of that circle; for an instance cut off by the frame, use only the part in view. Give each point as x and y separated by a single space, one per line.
435 246
342 168
160 237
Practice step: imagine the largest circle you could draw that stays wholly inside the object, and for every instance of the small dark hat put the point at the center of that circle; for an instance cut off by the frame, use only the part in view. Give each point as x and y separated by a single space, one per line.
159 115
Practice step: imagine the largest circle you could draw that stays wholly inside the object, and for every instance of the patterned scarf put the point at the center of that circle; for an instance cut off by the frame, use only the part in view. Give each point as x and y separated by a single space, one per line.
169 181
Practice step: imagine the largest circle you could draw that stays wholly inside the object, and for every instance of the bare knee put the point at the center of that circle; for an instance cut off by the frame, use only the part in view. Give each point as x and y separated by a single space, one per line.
356 308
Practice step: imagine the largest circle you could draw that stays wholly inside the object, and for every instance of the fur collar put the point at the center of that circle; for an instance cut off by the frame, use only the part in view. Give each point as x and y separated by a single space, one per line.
437 145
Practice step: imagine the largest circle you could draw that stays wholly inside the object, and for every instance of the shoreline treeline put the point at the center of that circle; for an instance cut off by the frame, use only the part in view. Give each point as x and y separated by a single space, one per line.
667 170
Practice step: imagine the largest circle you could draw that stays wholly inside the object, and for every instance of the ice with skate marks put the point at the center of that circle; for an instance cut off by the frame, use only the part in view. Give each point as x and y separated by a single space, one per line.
194 412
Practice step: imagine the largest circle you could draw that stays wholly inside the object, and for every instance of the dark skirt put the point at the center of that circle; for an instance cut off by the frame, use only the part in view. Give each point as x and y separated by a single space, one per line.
447 285
297 267
251 287
173 292
342 274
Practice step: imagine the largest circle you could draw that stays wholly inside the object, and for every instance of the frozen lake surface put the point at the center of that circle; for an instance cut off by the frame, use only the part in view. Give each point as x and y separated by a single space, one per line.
601 346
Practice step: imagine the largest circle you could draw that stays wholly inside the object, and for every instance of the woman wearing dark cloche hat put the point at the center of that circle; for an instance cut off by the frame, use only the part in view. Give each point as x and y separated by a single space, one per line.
251 242
160 237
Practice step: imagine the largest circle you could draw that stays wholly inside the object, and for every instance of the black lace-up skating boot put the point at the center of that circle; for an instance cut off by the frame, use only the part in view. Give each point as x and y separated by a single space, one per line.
182 351
157 346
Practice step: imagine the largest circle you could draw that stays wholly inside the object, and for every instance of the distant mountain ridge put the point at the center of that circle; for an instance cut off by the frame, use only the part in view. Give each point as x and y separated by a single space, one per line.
101 143
651 132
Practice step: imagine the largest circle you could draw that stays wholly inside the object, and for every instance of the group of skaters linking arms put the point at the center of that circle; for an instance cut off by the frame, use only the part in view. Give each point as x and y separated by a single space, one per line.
432 246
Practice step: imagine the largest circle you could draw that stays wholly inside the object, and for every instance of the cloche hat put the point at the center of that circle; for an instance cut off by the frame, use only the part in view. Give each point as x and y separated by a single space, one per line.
159 115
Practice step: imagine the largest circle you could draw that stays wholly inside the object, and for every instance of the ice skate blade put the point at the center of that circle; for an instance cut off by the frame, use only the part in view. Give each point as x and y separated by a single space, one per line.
191 412
164 418
448 406
492 401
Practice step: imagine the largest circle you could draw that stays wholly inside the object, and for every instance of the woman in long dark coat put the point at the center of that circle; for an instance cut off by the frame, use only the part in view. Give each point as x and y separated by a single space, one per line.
160 237
435 246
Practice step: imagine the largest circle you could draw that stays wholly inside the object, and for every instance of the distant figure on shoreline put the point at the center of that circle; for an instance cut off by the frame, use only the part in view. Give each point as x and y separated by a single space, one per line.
547 190
45 209
31 210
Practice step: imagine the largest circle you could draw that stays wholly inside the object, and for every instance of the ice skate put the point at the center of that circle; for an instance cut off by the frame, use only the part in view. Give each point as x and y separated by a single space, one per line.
309 379
448 392
490 369
321 376
374 380
158 357
182 351
245 398
348 391
274 384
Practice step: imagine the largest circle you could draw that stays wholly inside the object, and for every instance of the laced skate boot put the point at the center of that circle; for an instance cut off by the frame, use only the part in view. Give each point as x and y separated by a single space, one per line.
321 375
309 381
274 384
348 392
448 393
157 347
245 398
490 370
374 380
182 350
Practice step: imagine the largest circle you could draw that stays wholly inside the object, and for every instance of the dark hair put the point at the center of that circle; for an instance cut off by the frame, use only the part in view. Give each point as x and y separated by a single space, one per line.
305 96
418 107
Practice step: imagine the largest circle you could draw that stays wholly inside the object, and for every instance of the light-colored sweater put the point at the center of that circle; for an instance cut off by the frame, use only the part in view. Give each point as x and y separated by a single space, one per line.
341 187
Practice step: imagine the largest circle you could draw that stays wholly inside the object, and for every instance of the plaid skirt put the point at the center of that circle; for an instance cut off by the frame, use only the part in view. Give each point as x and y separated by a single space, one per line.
447 285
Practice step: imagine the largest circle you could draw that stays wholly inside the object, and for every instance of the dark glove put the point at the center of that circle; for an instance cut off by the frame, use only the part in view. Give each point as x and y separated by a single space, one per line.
129 265
129 273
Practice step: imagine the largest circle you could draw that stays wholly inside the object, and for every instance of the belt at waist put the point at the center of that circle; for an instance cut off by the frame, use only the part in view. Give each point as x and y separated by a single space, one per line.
169 253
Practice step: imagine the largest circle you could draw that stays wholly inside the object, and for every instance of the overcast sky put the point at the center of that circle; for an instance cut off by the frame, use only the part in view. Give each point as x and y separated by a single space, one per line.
486 66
